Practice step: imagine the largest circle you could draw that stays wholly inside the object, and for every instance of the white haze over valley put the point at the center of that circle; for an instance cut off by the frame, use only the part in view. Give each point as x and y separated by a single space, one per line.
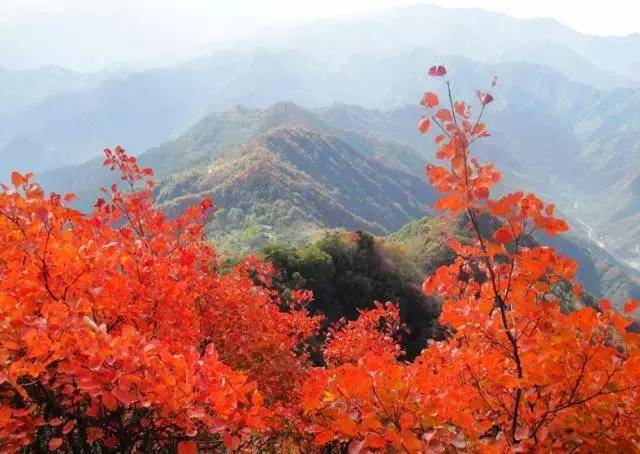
97 35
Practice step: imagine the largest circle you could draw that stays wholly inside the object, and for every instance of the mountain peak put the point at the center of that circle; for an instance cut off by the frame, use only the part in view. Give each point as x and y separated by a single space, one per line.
292 178
288 113
284 107
289 131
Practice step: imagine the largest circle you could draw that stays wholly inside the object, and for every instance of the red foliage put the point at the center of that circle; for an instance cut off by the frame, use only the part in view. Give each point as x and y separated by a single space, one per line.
374 331
437 71
118 331
518 373
430 99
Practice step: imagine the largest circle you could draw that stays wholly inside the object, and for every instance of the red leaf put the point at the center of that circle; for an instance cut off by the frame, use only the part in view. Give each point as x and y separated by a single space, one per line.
631 306
206 203
68 427
17 179
605 305
503 235
437 71
124 396
55 443
485 98
461 109
424 124
110 402
444 115
430 99
187 447
230 441
482 192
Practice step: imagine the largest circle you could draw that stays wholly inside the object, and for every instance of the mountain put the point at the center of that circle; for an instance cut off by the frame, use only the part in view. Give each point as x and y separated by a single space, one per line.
140 110
287 174
473 33
570 143
280 173
217 133
22 89
619 224
291 181
625 201
601 275
528 158
623 237
145 108
565 122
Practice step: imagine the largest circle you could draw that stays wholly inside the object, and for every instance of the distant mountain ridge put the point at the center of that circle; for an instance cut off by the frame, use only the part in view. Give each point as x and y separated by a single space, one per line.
487 37
376 60
217 133
286 174
22 89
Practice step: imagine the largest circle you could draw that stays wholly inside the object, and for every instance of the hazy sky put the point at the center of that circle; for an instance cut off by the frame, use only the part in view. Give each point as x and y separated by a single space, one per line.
97 34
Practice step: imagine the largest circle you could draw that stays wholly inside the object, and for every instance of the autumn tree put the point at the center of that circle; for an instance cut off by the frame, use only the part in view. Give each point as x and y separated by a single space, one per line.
517 373
118 333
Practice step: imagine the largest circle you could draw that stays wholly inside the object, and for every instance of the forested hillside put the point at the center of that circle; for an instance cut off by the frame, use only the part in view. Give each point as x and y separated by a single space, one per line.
591 131
337 167
293 180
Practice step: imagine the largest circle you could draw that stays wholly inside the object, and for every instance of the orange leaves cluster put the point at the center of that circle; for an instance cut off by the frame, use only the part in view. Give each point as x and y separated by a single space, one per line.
253 334
375 331
115 328
534 377
377 404
519 373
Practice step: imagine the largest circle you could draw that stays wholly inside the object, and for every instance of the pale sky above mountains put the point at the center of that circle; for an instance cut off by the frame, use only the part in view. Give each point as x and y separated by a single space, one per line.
104 34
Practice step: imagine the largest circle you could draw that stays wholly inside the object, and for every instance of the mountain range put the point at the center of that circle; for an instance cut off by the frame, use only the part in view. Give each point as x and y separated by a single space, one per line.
340 96
291 181
286 174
